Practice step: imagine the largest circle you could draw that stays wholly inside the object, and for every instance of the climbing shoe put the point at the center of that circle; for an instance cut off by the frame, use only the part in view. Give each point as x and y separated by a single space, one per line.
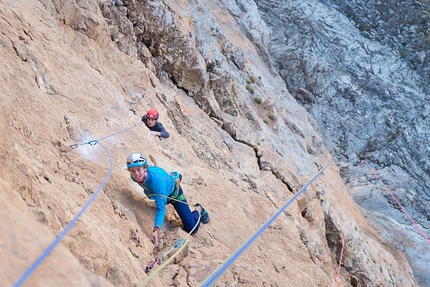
204 215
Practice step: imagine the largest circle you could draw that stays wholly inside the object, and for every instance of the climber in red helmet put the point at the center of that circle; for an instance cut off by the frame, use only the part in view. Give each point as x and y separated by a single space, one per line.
156 128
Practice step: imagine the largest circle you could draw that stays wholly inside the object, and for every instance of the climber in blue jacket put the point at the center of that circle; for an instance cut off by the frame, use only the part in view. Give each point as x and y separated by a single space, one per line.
164 188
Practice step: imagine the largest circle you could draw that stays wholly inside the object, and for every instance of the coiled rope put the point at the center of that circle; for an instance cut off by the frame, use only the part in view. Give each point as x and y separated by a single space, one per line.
223 267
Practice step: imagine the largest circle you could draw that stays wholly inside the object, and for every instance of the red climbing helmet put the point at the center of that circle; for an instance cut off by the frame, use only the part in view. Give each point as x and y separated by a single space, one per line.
153 114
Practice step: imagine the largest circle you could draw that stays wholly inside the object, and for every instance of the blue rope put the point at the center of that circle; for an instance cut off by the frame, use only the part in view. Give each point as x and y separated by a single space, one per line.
68 227
93 142
124 130
221 269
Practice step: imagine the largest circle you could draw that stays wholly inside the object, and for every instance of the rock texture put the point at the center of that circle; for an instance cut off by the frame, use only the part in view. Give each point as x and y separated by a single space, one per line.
361 69
80 72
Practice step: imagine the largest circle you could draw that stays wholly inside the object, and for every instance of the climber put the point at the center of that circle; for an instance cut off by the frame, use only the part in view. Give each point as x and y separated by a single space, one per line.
164 188
156 128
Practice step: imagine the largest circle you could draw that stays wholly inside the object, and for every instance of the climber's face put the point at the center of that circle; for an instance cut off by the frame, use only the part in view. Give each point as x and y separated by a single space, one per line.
151 122
139 173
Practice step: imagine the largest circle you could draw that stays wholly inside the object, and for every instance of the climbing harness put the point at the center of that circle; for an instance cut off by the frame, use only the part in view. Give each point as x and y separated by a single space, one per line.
177 178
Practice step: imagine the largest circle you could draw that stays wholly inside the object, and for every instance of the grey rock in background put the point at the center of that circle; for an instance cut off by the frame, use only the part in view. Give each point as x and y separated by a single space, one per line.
366 74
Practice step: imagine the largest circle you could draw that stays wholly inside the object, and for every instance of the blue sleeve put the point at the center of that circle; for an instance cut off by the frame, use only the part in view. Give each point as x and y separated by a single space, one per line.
160 211
159 182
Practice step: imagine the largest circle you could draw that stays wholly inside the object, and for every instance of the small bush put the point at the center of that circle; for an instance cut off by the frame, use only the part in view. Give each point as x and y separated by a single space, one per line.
258 100
250 89
272 116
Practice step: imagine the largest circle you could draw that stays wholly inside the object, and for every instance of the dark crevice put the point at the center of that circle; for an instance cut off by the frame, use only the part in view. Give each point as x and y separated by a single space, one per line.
263 165
282 178
334 242
332 234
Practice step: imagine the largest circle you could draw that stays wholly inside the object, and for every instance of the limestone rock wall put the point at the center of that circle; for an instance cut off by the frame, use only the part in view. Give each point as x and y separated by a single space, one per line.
64 83
360 69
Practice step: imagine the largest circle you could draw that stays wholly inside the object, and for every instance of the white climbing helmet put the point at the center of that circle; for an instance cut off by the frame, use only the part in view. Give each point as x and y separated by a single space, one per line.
136 159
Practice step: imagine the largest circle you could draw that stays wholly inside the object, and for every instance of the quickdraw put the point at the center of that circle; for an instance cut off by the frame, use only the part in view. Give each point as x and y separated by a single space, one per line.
151 265
92 142
159 261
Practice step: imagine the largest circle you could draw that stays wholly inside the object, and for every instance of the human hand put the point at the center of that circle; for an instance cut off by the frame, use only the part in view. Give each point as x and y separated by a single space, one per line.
152 133
155 236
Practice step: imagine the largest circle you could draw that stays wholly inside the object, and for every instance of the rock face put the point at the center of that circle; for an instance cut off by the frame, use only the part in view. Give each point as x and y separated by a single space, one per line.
401 25
81 74
365 80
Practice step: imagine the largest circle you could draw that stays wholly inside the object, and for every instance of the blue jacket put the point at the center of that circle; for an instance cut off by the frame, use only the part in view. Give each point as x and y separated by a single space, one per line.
158 182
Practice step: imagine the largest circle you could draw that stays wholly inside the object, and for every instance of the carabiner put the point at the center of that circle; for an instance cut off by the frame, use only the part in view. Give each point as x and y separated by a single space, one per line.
178 243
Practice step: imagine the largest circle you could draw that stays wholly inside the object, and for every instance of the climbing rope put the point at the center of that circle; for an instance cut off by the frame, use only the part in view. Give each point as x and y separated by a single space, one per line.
346 223
398 203
158 261
144 282
223 267
349 204
72 223
69 226
93 142
180 244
